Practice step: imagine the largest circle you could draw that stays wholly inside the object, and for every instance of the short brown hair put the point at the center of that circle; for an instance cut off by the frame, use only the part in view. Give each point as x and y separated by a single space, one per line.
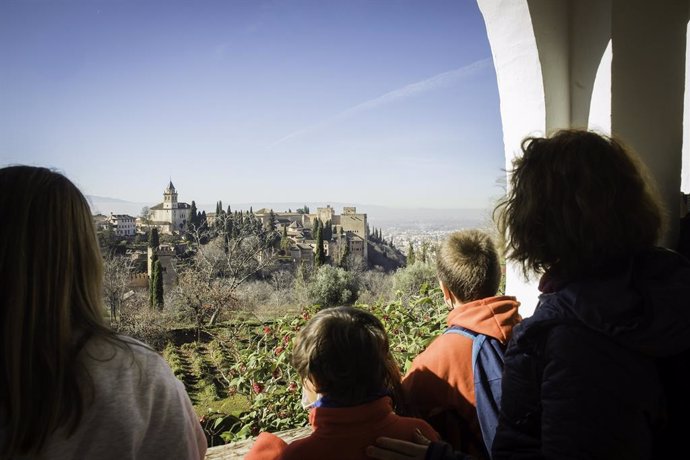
578 203
468 265
345 352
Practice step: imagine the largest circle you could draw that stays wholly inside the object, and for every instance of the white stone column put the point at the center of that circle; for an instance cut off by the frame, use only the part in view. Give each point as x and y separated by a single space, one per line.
521 92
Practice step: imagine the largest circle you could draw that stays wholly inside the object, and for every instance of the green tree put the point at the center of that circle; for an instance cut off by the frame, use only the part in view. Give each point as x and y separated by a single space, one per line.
152 280
424 251
410 255
344 253
271 224
154 240
415 279
157 286
320 255
192 215
284 240
333 286
327 231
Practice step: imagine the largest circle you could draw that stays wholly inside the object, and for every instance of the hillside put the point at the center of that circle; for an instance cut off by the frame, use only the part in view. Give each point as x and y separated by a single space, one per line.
384 256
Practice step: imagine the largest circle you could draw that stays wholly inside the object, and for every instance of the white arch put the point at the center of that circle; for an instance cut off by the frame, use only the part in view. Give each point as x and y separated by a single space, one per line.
523 111
600 106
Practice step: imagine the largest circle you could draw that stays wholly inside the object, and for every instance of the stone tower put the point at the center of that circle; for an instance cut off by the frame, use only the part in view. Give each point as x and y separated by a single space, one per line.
170 197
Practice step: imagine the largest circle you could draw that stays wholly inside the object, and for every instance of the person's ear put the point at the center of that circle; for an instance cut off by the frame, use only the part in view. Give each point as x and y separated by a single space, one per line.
447 295
444 289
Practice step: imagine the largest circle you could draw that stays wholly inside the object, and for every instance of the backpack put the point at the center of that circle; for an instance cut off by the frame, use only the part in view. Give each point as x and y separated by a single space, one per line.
487 365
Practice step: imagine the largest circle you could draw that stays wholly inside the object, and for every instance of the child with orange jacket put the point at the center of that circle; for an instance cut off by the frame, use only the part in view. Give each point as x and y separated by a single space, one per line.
351 386
440 385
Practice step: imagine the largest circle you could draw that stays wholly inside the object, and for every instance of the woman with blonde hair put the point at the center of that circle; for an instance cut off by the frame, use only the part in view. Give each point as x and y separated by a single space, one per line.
69 386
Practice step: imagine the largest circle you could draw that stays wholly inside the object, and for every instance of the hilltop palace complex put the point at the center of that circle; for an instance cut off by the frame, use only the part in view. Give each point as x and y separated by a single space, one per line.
173 217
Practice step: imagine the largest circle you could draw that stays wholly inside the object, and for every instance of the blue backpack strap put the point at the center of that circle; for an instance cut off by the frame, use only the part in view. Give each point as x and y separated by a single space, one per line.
487 365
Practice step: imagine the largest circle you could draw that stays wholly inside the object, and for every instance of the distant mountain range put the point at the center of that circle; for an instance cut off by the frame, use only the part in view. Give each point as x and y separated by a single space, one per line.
378 216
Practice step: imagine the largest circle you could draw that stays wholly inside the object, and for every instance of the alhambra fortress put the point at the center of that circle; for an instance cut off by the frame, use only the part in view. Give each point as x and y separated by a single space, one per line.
172 217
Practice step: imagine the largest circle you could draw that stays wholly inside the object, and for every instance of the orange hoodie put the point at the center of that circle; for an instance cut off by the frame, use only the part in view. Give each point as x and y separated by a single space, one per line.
342 433
439 386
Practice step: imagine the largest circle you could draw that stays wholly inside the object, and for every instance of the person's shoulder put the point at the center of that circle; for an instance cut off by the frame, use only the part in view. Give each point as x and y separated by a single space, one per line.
121 356
410 424
437 353
309 446
267 446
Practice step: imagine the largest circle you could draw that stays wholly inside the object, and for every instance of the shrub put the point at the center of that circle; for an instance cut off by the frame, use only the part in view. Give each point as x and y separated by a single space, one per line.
139 321
333 286
418 278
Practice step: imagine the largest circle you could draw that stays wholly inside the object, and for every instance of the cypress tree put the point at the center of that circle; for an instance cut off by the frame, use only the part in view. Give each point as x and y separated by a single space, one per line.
425 248
327 231
152 280
284 241
154 241
410 255
192 214
271 221
320 256
345 253
157 298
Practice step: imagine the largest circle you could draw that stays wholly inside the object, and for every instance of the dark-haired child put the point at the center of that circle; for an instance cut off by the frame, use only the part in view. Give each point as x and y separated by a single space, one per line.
352 386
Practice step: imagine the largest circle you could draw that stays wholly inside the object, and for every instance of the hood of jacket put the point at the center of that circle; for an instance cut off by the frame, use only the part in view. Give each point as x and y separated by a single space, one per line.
492 316
644 306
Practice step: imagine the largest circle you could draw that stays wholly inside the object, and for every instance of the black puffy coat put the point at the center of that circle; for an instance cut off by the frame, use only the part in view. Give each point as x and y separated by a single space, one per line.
580 377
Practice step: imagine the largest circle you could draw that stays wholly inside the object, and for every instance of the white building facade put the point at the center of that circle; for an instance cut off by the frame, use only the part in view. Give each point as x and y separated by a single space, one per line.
170 216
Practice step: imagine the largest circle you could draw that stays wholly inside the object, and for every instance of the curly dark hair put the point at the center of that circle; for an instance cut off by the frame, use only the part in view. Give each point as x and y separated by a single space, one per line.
345 352
578 203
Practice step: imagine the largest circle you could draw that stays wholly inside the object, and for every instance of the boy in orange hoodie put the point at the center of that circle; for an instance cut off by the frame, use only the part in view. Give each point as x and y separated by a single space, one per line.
439 386
351 386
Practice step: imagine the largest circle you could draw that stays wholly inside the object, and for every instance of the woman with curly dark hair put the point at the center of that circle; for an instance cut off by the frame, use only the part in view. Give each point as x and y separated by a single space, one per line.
598 371
584 376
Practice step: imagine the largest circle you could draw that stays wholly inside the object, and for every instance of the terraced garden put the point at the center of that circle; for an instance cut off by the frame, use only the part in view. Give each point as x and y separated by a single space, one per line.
239 375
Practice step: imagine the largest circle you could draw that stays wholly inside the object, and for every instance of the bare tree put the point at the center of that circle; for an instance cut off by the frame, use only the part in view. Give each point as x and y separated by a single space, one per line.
117 272
233 252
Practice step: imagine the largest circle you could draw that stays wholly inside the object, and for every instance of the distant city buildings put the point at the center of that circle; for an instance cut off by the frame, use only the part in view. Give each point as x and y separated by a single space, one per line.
345 233
349 228
122 224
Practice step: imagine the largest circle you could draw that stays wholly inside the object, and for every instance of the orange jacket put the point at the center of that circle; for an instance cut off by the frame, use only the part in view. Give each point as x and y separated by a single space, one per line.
342 433
439 386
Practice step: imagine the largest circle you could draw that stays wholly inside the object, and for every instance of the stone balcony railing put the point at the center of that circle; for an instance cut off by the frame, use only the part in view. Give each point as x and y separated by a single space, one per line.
237 450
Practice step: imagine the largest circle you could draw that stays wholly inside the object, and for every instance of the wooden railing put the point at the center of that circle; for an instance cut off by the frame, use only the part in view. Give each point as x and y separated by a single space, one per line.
237 450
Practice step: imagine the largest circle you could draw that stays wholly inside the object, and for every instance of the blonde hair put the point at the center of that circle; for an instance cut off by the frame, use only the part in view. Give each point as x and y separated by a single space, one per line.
51 303
345 352
468 265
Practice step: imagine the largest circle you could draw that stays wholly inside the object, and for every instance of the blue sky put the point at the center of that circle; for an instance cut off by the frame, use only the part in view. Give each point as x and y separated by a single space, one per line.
382 102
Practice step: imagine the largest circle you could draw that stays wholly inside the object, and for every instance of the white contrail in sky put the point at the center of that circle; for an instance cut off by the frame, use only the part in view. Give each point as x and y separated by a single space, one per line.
437 81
